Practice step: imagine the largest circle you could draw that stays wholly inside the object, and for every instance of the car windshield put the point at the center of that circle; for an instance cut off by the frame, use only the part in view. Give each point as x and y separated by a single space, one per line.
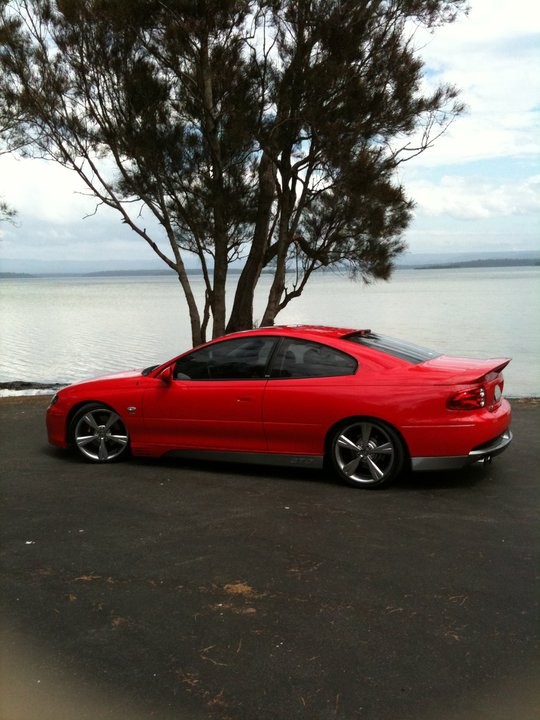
397 348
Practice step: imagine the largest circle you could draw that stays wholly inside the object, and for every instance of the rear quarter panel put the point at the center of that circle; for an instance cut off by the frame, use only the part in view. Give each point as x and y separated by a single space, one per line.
298 415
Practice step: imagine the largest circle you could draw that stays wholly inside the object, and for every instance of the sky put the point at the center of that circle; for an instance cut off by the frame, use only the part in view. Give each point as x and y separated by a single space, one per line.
476 191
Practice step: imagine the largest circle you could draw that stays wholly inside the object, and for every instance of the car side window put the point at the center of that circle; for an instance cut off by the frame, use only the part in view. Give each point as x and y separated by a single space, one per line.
236 359
303 359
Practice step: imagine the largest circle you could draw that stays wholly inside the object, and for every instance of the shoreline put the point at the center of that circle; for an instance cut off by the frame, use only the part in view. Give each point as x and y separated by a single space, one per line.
411 261
22 388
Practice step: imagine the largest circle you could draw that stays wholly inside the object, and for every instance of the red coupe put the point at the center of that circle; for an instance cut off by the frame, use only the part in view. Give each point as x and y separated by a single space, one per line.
368 404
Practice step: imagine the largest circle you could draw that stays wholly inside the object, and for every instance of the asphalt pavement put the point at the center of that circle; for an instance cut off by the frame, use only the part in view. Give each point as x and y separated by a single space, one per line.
166 589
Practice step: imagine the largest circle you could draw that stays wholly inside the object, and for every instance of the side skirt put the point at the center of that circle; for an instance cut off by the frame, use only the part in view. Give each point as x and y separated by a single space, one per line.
308 461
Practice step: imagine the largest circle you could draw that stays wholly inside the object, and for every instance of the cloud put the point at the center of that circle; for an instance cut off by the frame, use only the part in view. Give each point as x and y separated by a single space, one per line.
492 57
449 240
478 186
43 190
57 221
473 198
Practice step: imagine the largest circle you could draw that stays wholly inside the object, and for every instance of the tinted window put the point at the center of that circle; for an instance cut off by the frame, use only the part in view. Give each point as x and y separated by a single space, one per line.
302 358
237 359
397 348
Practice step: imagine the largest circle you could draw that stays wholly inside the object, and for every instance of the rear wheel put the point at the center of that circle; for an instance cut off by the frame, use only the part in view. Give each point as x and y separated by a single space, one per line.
366 453
98 433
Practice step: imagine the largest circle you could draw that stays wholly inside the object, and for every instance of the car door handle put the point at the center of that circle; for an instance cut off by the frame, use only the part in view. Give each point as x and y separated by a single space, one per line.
244 399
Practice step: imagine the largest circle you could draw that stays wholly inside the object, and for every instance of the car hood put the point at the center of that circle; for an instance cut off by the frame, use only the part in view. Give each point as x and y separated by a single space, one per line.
112 377
450 370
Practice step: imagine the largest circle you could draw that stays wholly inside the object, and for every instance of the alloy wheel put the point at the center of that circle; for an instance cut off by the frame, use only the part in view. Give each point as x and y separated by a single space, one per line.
99 434
367 453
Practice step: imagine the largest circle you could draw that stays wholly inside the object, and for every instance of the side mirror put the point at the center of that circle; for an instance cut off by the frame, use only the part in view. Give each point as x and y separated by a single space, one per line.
167 376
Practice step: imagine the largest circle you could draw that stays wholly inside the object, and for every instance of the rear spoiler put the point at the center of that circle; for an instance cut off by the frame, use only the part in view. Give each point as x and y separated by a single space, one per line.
479 369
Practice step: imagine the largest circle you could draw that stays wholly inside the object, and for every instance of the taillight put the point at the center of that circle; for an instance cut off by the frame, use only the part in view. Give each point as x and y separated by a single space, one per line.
470 399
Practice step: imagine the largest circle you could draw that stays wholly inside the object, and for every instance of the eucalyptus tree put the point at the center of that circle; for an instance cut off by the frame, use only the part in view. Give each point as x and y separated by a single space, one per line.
264 133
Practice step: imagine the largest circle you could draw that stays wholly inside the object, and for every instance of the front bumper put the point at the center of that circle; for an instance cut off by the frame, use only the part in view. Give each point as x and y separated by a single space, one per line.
56 425
483 452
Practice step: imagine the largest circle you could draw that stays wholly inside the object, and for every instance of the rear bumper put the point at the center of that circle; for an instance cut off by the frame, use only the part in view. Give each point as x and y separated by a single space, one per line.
483 452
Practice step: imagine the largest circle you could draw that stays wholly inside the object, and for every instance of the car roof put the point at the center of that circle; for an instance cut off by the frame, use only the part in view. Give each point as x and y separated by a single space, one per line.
313 331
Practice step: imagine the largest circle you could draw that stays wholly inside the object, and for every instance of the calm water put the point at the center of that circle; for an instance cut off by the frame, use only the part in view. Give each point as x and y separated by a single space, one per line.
58 330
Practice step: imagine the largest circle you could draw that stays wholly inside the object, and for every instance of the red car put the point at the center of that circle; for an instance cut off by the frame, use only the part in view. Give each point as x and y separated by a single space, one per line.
368 404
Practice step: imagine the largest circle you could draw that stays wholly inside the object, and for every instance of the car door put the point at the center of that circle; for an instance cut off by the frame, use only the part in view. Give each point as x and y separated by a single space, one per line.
308 387
214 400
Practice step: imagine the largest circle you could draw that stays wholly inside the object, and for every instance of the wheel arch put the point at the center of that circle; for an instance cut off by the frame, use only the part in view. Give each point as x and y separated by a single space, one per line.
361 418
78 406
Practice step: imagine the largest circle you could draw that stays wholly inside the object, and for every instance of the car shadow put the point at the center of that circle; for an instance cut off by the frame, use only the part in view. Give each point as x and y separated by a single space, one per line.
230 467
442 479
406 482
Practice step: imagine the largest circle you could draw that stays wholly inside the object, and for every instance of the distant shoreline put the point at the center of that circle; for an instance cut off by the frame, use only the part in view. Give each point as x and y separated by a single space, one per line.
98 274
23 385
509 262
457 265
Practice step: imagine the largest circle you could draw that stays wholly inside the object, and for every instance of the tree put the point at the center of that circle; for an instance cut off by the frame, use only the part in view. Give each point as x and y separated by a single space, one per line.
6 213
267 133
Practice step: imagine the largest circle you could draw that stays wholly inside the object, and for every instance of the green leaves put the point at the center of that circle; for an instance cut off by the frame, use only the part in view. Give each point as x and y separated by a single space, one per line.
267 132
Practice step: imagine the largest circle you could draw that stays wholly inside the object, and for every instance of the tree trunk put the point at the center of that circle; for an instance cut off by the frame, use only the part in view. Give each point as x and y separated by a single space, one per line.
218 302
194 316
278 284
241 317
212 132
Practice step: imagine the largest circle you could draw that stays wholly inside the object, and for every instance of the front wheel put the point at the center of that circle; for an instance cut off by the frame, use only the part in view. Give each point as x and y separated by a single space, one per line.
366 453
99 434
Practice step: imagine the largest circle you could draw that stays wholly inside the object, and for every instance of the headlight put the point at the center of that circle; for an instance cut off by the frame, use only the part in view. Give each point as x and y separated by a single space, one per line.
54 400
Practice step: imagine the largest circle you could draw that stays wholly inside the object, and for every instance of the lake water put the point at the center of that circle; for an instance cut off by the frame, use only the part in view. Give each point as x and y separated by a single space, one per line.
59 330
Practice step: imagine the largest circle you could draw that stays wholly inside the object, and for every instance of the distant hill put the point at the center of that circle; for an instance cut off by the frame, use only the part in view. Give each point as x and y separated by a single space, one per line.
15 275
129 273
407 261
487 263
453 259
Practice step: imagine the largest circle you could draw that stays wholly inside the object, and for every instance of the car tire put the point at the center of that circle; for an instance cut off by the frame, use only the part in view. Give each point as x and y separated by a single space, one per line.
366 453
98 434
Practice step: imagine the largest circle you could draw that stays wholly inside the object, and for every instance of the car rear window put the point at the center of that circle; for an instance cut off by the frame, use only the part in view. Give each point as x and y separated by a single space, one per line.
390 346
298 358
